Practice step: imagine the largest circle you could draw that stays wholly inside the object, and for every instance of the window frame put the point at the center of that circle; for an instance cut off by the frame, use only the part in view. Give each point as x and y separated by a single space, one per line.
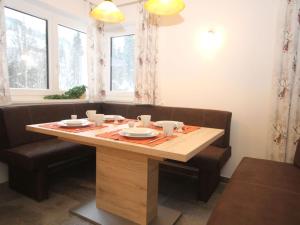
54 18
117 96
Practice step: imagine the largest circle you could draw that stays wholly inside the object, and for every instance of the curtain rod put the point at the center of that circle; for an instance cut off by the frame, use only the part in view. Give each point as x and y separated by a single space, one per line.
119 5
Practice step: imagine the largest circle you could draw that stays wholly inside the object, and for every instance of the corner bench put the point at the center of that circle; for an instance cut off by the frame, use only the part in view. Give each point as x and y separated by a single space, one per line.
31 156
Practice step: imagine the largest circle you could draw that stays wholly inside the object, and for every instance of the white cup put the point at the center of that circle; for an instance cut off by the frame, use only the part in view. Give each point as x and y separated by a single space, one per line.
168 128
145 120
73 117
90 114
99 119
180 126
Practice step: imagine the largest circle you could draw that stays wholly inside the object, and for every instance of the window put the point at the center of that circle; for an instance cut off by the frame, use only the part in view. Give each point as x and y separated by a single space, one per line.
72 58
122 63
46 49
26 50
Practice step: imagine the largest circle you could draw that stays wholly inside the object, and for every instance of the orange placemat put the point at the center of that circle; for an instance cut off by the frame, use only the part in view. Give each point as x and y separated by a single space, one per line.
185 130
114 135
55 126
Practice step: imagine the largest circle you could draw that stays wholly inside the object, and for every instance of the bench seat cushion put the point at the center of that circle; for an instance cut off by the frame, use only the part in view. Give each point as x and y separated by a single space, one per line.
251 204
211 158
41 154
268 173
260 192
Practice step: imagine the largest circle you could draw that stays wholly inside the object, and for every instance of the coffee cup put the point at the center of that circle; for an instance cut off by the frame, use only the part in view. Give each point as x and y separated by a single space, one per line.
145 120
180 126
99 119
168 128
90 114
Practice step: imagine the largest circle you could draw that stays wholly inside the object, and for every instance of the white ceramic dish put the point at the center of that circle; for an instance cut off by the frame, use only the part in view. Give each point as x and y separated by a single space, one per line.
65 123
138 132
113 117
74 122
160 123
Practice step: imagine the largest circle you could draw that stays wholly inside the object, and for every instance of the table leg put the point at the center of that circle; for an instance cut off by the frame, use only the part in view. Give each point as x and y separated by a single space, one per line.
126 191
127 184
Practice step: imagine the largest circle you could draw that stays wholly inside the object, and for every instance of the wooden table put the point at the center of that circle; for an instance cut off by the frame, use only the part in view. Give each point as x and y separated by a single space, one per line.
127 174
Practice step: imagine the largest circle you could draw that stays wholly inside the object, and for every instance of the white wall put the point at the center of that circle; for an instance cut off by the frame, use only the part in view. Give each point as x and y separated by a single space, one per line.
238 77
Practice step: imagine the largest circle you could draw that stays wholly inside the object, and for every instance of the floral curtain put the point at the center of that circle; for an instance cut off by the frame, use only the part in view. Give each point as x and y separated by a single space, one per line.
146 82
5 97
97 60
286 89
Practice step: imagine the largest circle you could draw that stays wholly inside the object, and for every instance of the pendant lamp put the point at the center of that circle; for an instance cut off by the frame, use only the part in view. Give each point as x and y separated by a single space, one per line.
107 12
164 7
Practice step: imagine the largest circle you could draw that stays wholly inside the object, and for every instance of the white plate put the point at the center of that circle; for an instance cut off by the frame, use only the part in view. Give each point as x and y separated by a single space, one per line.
160 123
138 133
112 117
83 124
74 122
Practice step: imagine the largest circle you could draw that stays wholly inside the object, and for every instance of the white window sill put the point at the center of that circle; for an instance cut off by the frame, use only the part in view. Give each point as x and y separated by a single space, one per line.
40 100
37 98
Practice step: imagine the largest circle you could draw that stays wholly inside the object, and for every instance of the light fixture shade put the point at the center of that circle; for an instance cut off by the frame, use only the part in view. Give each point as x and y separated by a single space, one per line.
107 12
164 7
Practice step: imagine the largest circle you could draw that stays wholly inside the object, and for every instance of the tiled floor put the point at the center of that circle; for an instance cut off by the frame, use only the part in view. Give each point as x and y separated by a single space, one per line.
70 189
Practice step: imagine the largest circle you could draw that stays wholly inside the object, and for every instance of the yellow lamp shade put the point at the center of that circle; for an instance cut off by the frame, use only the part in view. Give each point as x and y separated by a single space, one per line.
107 12
164 7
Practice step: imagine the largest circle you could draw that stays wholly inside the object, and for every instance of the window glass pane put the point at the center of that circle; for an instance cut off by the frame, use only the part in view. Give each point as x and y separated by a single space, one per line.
122 63
26 50
72 58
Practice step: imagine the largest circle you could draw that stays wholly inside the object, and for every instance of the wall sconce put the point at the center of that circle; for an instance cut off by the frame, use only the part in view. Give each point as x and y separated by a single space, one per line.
211 40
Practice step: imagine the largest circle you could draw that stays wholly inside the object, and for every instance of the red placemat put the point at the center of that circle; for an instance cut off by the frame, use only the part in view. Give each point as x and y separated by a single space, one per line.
185 130
55 126
114 135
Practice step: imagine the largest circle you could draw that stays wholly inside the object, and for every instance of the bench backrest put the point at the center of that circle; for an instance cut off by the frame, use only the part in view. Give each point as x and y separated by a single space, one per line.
13 120
199 117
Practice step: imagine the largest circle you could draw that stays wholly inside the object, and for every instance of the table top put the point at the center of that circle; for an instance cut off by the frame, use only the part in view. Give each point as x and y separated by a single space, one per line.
181 148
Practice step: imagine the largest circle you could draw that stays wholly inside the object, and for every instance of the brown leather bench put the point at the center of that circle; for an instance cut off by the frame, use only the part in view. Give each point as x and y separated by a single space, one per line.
261 192
29 155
